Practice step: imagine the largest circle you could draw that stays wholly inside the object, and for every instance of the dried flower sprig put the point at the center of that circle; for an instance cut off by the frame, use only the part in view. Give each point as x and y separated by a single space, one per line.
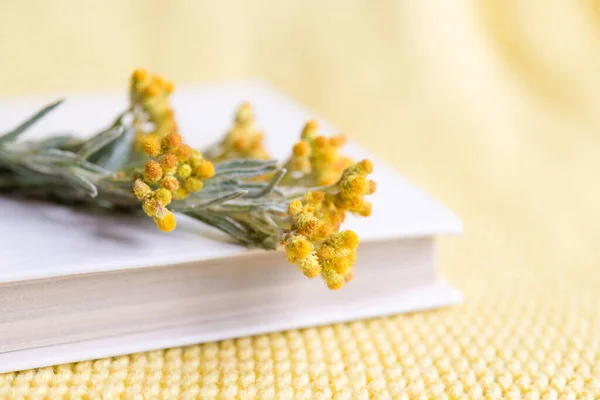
141 165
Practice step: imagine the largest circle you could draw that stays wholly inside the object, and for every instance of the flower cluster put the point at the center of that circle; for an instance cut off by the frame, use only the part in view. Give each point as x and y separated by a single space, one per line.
243 139
149 101
141 160
174 169
318 157
314 242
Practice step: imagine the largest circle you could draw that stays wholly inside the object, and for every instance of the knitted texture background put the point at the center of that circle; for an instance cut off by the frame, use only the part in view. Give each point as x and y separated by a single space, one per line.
513 338
492 106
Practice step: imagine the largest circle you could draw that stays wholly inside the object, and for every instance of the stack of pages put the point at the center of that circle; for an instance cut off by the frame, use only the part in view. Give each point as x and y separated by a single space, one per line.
77 286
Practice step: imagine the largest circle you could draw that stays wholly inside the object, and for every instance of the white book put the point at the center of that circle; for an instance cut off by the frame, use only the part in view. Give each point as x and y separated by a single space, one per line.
76 286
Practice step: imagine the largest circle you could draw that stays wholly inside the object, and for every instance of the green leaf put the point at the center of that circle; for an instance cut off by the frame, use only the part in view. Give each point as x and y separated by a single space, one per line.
98 142
243 173
236 165
213 202
12 135
268 188
80 182
118 153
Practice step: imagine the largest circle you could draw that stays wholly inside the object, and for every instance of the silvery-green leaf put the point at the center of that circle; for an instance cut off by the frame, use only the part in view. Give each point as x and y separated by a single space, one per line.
235 165
242 173
51 142
269 187
120 152
81 182
224 224
12 135
97 143
251 207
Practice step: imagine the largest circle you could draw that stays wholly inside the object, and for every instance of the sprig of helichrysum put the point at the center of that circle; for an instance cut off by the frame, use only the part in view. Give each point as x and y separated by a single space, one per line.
141 164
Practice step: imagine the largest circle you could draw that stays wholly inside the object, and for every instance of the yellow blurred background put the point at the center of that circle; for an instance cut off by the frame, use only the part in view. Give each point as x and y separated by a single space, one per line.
491 106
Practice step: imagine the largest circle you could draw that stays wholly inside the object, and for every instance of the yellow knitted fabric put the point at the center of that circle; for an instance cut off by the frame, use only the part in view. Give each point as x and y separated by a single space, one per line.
492 105
497 345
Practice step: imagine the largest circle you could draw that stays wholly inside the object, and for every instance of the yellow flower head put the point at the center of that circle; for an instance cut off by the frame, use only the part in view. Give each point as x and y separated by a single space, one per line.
301 149
244 114
170 183
183 152
180 193
169 163
151 90
297 248
310 130
171 141
365 210
205 169
366 166
294 207
337 141
140 189
153 208
166 223
139 75
353 185
243 140
196 158
151 145
152 171
306 224
333 280
193 184
317 157
349 239
163 196
309 265
184 171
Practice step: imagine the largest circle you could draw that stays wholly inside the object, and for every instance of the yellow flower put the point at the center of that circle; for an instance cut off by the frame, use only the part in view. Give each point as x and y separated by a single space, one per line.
196 158
243 140
337 141
365 210
310 130
170 183
163 196
317 157
180 194
309 265
152 171
205 169
140 189
294 207
169 163
171 141
333 280
151 145
193 184
301 149
297 248
184 171
153 208
306 224
353 185
167 222
139 75
183 152
151 90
